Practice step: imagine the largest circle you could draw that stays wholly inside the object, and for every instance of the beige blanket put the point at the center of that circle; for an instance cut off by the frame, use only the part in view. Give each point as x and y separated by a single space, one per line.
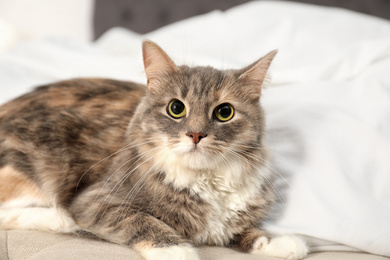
34 245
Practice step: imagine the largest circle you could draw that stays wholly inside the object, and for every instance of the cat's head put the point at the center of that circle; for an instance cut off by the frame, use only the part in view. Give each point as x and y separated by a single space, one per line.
200 119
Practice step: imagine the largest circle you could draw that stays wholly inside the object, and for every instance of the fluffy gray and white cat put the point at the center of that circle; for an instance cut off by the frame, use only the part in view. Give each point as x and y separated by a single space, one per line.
162 169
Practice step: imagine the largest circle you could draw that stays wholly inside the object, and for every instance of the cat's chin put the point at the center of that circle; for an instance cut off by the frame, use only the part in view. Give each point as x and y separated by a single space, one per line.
183 170
197 159
192 159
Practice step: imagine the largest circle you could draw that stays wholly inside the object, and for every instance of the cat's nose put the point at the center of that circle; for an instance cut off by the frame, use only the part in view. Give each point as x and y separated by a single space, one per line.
196 136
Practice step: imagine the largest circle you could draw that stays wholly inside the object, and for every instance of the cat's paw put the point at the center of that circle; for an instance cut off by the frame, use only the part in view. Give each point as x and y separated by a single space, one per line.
179 252
288 247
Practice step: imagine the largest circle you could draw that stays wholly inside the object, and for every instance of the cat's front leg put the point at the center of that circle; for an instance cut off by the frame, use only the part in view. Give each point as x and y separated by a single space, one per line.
152 238
255 241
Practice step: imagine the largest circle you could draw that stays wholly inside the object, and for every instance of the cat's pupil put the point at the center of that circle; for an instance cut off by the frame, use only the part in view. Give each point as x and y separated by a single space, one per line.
224 111
177 107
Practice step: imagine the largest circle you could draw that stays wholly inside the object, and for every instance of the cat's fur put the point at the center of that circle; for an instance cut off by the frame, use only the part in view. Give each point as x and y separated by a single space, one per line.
104 156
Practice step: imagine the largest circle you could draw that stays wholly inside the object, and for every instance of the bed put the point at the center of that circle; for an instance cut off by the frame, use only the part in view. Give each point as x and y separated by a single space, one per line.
327 107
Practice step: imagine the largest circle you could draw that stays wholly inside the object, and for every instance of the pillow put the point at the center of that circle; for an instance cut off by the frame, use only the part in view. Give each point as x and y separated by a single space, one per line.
41 18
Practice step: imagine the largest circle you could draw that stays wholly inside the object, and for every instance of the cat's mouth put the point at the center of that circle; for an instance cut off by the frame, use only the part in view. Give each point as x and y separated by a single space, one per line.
199 150
196 149
199 155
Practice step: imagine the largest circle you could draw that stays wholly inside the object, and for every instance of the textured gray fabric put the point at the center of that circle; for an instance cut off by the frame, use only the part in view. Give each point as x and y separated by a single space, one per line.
35 245
23 244
3 245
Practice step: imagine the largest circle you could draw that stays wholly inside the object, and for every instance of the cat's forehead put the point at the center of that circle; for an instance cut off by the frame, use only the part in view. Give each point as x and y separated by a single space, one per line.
203 82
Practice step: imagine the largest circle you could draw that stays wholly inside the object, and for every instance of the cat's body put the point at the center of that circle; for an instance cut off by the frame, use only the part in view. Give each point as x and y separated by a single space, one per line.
189 168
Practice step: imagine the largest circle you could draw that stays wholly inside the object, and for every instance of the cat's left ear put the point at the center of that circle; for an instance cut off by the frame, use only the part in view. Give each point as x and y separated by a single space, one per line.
156 62
255 73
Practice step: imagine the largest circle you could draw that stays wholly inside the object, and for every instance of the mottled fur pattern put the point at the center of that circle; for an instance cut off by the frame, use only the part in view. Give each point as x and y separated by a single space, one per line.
105 157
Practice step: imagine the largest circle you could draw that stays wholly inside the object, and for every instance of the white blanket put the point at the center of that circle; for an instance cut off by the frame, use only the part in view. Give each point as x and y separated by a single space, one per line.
328 107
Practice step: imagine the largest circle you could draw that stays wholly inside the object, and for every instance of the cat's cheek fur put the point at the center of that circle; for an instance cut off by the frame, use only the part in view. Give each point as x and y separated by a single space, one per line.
287 247
177 252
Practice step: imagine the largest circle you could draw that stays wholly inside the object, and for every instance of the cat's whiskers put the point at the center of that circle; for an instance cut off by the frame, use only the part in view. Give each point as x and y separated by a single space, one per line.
225 72
127 174
262 160
274 149
131 194
120 183
144 175
204 148
124 148
225 161
250 146
140 156
256 159
238 151
267 165
120 167
138 186
155 202
239 156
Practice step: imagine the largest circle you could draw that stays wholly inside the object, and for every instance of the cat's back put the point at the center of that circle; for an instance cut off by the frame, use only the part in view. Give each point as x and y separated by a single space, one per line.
65 114
89 97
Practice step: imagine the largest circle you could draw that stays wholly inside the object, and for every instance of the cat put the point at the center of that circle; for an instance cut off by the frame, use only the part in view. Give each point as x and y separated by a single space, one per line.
162 168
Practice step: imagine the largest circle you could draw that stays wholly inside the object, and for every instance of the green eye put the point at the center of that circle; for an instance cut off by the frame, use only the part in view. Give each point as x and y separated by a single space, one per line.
176 109
224 112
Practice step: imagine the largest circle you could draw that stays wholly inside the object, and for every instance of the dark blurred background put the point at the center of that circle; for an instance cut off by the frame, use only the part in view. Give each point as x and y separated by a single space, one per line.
143 16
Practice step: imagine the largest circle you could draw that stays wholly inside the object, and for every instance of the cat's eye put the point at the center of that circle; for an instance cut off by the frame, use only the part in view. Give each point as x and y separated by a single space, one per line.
224 112
176 109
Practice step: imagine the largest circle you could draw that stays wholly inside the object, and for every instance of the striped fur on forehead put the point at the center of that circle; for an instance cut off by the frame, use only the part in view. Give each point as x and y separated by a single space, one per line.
202 82
199 81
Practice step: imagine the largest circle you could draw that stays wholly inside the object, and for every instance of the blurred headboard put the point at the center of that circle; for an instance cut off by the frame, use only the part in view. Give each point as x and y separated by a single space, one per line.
143 16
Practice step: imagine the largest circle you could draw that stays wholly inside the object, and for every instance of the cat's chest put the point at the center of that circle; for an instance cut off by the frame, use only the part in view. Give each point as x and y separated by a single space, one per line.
226 203
219 200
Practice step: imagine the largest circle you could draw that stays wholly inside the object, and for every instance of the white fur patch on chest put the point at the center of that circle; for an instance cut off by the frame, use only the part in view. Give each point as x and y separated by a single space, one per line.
226 201
228 189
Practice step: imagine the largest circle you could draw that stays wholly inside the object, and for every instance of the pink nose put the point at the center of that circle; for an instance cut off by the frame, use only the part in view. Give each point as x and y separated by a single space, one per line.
196 136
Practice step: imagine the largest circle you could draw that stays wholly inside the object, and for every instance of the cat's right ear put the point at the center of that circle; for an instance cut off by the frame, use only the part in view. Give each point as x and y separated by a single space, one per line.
256 73
156 62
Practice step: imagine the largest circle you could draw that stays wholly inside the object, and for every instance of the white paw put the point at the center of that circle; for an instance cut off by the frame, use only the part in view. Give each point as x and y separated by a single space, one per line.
288 247
260 242
46 219
169 253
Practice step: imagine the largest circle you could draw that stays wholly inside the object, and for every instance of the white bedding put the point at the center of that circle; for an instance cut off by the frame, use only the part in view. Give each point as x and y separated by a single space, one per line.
328 107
